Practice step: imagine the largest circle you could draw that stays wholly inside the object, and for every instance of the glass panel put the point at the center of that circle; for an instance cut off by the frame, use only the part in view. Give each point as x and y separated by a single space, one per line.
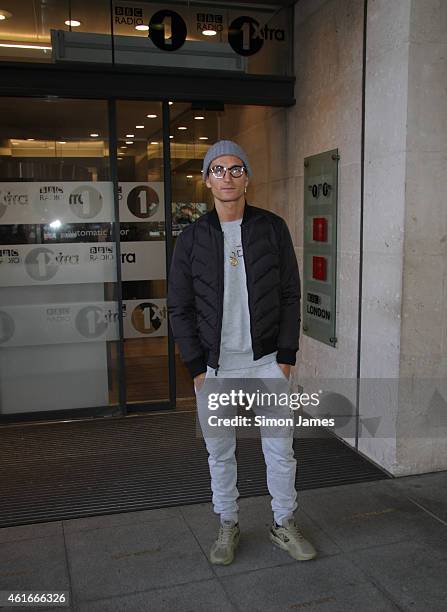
143 251
172 34
58 315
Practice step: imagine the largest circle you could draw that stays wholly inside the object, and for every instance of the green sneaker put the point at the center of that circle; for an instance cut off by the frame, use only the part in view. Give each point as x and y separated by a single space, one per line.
222 551
289 538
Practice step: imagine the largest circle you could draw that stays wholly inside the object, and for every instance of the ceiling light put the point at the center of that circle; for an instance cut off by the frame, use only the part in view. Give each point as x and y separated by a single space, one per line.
142 27
199 117
154 142
62 142
4 15
129 141
140 127
170 103
203 137
171 136
130 135
123 147
189 176
209 32
74 23
31 139
152 116
182 127
94 135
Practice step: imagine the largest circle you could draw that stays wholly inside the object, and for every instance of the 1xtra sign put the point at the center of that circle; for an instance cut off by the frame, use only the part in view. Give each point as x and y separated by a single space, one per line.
246 36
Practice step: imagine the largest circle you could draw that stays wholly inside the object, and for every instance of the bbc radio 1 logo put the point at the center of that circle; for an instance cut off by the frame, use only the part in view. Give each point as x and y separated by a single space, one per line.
142 201
246 35
85 202
93 321
43 263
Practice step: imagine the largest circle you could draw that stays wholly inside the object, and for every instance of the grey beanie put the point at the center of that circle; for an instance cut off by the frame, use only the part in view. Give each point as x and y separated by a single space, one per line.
224 147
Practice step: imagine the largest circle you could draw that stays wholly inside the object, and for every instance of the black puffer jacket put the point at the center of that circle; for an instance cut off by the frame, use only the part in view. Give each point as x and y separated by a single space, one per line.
196 285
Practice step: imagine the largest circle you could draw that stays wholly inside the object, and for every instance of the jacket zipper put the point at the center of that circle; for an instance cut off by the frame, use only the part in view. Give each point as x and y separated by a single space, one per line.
221 297
248 290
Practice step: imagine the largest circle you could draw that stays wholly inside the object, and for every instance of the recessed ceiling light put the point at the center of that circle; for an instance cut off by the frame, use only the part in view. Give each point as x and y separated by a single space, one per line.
31 139
123 147
94 135
182 127
198 117
189 176
74 23
129 141
170 103
140 127
62 142
130 135
203 137
4 15
209 32
171 136
152 116
142 27
154 142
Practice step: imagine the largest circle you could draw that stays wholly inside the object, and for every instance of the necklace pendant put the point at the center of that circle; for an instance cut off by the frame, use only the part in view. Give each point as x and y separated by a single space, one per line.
233 260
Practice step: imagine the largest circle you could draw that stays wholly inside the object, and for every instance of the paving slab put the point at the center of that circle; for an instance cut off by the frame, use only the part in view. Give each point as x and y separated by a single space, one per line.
429 490
255 550
331 584
412 574
194 597
34 565
31 532
129 558
360 516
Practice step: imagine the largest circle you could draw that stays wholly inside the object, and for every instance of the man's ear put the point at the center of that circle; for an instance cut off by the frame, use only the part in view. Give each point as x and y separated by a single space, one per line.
207 183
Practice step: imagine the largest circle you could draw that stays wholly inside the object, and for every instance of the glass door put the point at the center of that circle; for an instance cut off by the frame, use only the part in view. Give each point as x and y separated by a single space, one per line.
59 331
141 196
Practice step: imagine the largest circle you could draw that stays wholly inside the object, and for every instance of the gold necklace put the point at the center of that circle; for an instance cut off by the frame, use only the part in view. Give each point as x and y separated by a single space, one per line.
233 259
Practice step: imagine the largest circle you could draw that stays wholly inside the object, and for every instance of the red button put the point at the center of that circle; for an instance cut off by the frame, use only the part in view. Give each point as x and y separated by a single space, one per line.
319 268
319 232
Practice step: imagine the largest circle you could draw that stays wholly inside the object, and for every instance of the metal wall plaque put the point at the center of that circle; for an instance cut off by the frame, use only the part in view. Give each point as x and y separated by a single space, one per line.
320 246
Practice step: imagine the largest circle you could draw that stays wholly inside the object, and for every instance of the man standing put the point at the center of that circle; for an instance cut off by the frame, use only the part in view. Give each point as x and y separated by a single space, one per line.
234 308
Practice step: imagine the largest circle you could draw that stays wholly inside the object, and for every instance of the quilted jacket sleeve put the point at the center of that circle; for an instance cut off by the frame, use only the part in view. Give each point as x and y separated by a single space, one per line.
181 309
289 328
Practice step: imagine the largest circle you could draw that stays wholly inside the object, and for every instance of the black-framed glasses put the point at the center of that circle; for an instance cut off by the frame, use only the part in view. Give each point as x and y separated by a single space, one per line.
220 171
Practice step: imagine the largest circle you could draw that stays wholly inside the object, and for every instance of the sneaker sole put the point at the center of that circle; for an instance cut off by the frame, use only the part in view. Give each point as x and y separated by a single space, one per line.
283 546
230 560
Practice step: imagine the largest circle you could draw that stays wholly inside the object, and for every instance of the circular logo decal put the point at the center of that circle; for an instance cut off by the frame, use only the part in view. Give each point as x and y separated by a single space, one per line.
167 30
6 327
85 202
143 201
90 322
244 36
147 317
40 264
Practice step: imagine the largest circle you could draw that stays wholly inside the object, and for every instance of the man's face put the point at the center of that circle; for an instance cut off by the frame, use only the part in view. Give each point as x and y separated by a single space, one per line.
228 188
